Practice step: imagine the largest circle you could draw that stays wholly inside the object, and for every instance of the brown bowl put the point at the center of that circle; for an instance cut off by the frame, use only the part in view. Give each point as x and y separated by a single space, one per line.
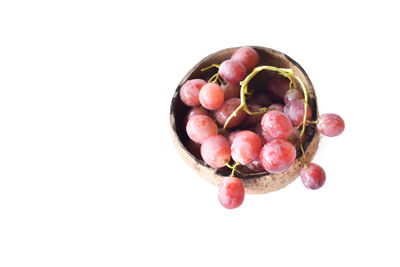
259 183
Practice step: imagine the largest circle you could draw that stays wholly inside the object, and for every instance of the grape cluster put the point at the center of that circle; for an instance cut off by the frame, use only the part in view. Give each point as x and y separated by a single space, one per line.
261 131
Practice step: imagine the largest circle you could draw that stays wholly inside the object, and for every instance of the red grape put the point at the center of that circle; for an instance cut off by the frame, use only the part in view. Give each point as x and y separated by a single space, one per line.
247 56
330 124
294 110
211 96
216 151
265 138
227 109
231 192
276 106
277 156
200 127
294 138
292 95
246 147
189 92
277 87
276 124
193 112
252 120
260 99
231 90
256 166
313 176
232 71
232 135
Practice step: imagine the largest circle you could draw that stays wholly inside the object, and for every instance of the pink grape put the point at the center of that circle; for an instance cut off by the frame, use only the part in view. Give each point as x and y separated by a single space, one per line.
216 151
265 138
276 106
292 95
252 120
227 109
277 87
189 92
247 56
256 166
232 71
193 112
294 110
231 192
231 90
246 147
313 176
276 124
277 156
200 127
330 124
232 135
260 99
211 96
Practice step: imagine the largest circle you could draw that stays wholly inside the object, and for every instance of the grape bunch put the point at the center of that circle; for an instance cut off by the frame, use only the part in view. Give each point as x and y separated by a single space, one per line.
256 131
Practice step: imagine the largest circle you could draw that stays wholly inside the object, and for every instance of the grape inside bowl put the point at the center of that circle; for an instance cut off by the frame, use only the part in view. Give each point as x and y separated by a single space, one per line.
255 182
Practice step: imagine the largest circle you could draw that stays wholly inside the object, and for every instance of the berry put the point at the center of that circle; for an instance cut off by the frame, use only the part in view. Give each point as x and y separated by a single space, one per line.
276 106
231 90
232 135
260 99
246 147
200 127
265 138
277 156
216 151
211 96
189 92
330 124
292 95
227 109
277 87
252 120
193 112
231 192
294 110
313 176
232 71
256 166
247 56
276 124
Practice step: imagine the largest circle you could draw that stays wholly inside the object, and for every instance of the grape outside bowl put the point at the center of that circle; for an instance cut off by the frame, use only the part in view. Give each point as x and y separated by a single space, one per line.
254 184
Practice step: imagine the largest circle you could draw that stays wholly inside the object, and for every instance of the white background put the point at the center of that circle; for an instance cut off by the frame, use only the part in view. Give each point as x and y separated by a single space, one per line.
88 172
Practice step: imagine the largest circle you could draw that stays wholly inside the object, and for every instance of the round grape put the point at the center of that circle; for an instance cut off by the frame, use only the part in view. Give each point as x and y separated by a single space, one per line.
232 135
294 110
313 176
247 56
216 151
211 96
256 166
265 138
231 90
246 147
232 71
231 192
193 112
292 95
227 109
200 127
277 87
277 106
189 92
277 156
252 120
330 124
276 124
260 99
